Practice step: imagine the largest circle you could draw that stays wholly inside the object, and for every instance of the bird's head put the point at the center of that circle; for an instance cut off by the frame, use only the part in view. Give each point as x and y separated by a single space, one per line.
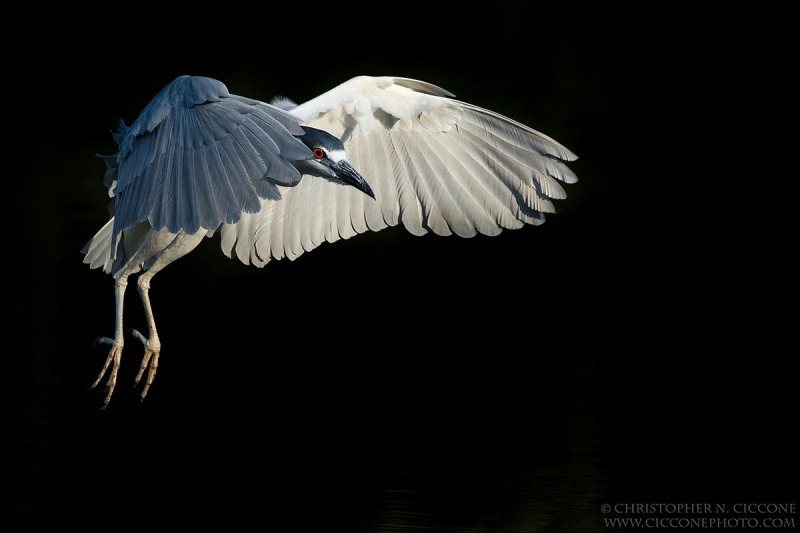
329 160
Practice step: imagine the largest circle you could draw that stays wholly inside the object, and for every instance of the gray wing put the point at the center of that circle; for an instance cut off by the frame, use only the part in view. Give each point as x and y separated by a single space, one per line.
198 156
436 164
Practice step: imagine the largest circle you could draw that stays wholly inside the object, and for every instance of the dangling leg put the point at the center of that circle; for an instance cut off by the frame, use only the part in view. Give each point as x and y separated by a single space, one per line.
152 344
141 245
115 355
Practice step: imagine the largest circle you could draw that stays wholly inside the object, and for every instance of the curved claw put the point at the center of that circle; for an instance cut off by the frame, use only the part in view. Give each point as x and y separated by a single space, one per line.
102 340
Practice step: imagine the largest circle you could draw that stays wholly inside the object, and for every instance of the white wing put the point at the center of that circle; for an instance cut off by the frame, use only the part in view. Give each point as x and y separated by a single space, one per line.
435 164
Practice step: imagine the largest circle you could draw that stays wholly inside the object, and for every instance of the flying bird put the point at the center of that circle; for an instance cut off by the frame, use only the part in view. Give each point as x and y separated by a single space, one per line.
278 179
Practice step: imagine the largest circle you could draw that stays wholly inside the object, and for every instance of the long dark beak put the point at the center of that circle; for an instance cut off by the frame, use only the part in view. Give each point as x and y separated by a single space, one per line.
349 175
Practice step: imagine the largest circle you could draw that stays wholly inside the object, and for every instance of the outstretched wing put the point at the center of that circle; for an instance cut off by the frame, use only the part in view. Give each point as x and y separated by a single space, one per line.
435 164
198 156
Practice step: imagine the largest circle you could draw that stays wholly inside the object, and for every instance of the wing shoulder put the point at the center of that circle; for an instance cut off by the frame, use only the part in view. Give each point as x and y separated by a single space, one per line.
198 156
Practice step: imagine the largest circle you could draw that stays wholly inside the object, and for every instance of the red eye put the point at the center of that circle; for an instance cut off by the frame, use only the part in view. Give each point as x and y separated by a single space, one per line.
318 153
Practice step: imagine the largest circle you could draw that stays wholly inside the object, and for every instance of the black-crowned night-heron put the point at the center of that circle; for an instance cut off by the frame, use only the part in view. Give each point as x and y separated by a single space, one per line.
276 180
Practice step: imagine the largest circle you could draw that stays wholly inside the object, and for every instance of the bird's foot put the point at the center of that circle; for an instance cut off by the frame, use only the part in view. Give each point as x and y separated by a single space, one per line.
113 360
152 349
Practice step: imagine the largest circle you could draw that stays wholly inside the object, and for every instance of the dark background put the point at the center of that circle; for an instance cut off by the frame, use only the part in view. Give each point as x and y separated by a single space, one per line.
631 349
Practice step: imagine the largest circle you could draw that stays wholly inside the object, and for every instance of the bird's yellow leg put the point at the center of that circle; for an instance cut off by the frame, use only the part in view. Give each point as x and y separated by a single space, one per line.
115 354
152 344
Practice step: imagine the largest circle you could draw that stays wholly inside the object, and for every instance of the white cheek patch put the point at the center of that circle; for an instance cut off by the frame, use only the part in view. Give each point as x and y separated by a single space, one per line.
336 155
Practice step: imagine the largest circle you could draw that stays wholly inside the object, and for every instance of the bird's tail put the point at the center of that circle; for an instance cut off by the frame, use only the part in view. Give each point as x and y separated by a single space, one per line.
98 249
